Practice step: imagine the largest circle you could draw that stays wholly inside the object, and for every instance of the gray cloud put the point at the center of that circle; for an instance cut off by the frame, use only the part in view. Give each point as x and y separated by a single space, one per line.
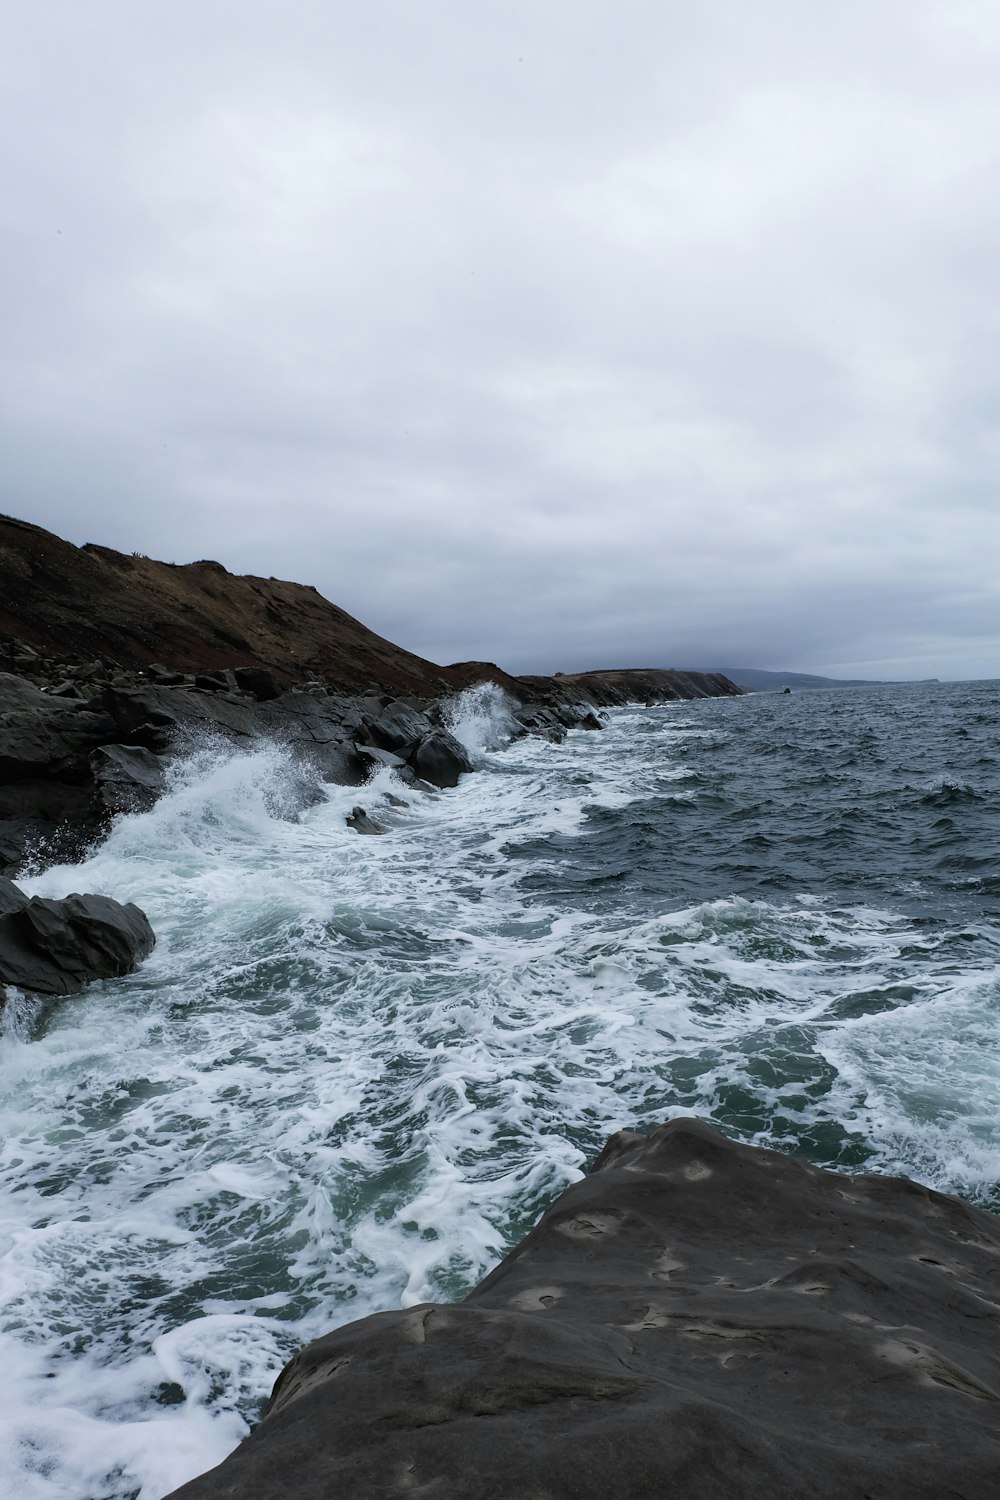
562 333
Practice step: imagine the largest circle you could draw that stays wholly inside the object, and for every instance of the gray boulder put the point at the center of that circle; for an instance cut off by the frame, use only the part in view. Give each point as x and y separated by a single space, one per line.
696 1319
57 947
439 758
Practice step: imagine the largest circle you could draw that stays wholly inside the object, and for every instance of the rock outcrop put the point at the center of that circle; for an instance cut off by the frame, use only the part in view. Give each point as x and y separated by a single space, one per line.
695 1319
58 947
649 685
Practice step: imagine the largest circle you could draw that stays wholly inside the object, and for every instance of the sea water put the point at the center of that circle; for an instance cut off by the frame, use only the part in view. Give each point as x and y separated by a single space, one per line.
355 1069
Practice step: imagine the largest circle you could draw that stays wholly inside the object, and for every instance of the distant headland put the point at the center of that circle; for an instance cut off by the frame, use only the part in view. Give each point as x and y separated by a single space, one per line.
757 681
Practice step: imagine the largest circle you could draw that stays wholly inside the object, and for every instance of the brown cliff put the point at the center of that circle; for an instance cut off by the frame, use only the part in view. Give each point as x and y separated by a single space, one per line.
78 602
193 617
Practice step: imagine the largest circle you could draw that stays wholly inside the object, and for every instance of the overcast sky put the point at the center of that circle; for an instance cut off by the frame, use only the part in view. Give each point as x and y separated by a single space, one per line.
559 333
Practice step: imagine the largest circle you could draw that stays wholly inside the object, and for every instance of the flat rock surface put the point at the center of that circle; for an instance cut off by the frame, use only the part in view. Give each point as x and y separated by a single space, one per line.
696 1319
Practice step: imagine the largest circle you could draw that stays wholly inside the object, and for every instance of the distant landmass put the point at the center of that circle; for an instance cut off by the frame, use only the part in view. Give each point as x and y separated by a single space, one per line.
758 681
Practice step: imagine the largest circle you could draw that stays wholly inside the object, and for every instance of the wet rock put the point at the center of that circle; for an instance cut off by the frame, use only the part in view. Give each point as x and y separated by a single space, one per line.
399 729
695 1319
57 947
439 758
37 842
362 823
127 778
379 757
159 717
337 761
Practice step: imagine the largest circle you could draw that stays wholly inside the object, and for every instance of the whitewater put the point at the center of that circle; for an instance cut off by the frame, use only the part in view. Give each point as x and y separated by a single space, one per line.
355 1070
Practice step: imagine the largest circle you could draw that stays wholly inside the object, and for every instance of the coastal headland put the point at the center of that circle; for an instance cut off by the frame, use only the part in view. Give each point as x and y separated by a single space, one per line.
110 663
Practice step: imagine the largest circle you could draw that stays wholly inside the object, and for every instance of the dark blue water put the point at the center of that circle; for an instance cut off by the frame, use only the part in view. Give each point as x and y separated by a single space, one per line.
860 796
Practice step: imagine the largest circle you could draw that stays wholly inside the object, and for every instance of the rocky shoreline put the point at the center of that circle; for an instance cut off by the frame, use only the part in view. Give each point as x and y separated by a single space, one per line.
113 664
81 741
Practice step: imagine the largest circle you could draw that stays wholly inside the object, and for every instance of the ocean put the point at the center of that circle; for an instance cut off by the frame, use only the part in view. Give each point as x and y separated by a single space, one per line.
356 1069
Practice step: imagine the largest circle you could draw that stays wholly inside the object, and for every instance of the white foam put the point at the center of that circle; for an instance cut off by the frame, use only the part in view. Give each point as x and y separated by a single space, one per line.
481 718
922 1081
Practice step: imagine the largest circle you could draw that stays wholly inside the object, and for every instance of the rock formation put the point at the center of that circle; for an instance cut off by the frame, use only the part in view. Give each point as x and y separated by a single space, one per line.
58 947
695 1319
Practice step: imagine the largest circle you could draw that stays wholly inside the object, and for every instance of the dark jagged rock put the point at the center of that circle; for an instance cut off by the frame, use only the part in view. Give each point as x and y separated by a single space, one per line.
362 823
377 757
127 778
57 947
11 897
696 1319
398 728
337 761
440 759
258 682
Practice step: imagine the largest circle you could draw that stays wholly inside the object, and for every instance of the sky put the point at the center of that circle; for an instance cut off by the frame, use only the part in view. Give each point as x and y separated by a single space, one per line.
556 333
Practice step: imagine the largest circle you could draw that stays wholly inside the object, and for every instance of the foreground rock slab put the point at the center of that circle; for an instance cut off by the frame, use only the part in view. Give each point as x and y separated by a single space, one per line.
58 947
696 1320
